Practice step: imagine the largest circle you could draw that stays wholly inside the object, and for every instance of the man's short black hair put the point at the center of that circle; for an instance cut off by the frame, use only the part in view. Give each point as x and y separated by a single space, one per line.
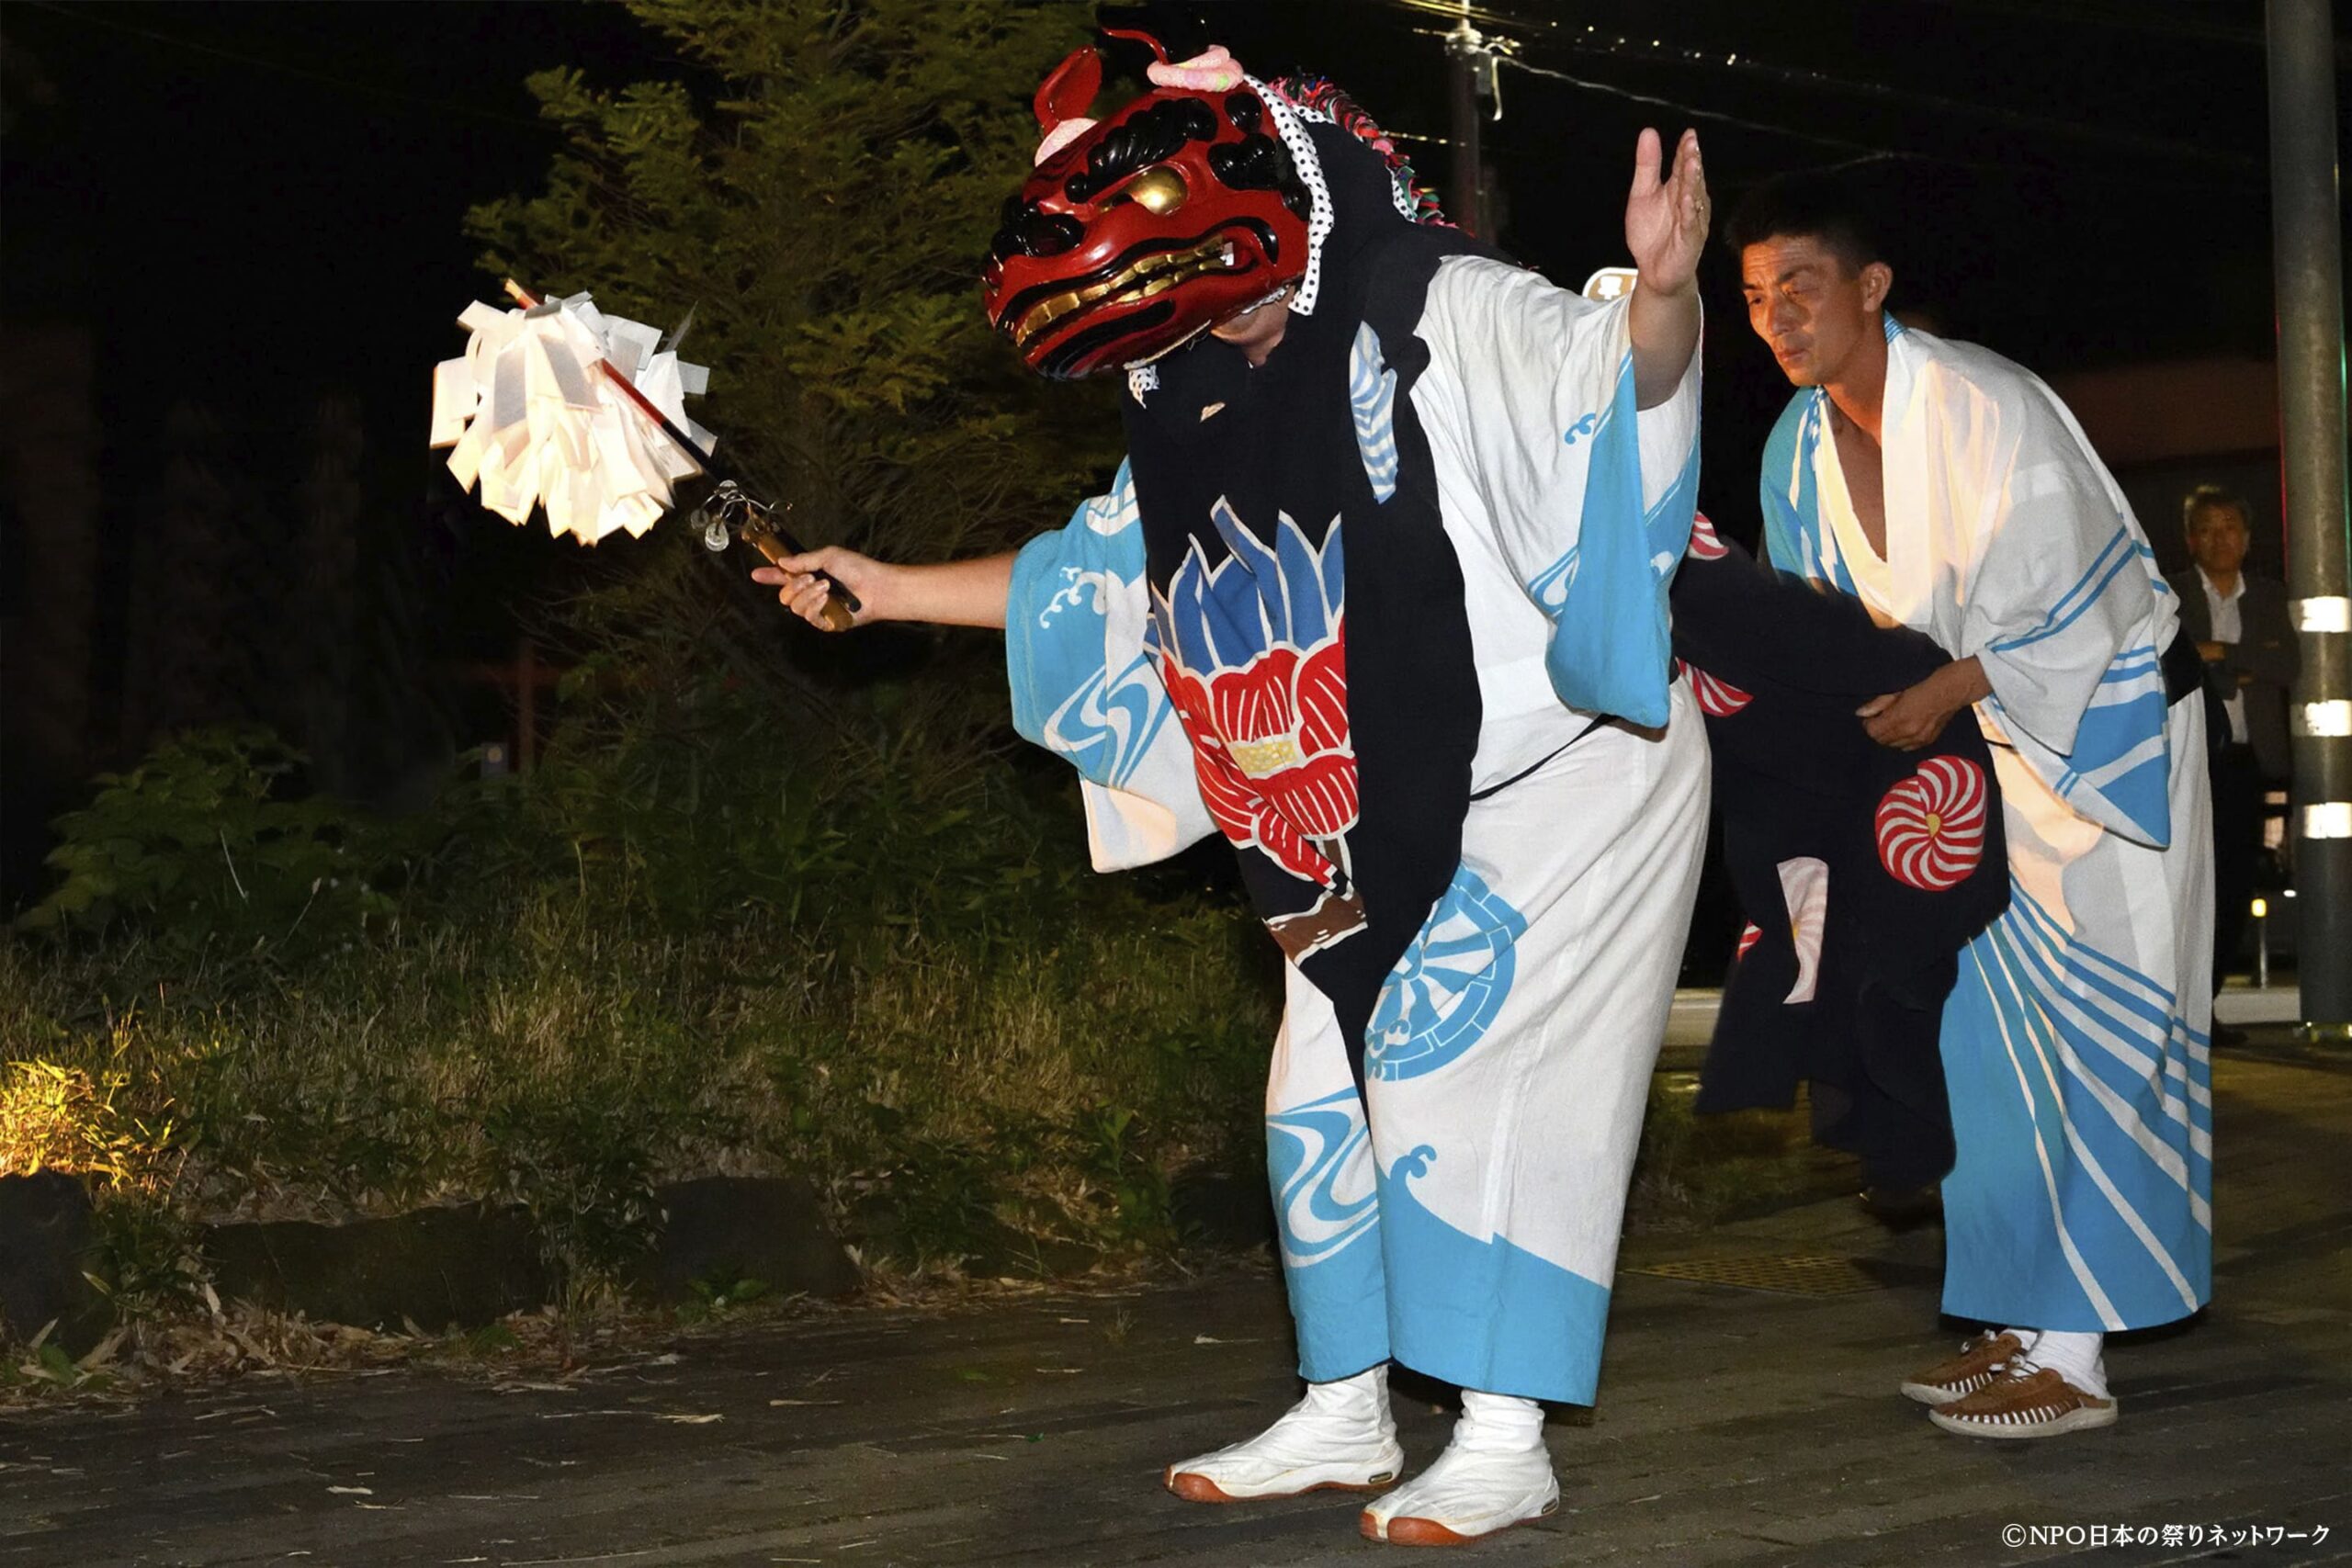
1827 205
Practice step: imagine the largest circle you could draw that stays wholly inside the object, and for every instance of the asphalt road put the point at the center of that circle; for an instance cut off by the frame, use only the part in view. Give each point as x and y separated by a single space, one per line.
1736 1425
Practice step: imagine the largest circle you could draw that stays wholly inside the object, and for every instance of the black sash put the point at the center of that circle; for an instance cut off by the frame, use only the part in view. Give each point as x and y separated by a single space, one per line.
2184 669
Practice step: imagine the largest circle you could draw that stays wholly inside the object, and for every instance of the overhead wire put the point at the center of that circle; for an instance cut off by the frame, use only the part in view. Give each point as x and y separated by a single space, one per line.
1696 112
1549 33
2134 16
1906 98
1746 122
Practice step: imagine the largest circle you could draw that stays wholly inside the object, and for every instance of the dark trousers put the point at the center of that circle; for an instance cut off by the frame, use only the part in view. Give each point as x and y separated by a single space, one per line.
2238 842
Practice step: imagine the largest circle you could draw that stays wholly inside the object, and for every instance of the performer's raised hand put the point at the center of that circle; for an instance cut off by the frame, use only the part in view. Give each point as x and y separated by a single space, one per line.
1666 215
1666 228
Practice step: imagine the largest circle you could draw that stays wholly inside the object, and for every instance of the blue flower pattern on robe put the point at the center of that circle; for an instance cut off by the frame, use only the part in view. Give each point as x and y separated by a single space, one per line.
1229 616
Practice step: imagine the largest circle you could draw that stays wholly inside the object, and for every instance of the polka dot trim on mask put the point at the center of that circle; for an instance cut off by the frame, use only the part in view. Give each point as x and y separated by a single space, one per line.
1291 127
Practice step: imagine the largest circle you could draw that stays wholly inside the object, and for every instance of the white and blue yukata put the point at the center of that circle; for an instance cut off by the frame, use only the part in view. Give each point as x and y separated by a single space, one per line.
2074 1043
1461 1213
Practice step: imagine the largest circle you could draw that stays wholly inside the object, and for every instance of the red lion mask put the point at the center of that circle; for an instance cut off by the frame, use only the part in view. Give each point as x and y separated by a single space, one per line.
1138 232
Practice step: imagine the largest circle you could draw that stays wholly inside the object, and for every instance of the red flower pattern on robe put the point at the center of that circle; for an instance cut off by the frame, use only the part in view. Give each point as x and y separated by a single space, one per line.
1269 743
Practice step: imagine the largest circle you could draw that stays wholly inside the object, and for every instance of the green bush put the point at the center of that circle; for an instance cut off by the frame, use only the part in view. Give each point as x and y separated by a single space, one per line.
203 847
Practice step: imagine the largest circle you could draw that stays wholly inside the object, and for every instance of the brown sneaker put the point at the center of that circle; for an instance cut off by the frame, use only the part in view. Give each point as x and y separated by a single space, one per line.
2025 1401
1979 1362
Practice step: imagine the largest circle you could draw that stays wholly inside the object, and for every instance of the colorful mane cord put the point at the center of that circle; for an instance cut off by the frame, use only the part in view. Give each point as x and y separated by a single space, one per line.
1322 98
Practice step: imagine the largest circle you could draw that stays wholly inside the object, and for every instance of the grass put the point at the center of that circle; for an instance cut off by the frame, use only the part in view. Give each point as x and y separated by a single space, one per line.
568 1059
1692 1171
894 980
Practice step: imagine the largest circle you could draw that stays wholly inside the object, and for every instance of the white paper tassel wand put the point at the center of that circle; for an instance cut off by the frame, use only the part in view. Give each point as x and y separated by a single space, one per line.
527 416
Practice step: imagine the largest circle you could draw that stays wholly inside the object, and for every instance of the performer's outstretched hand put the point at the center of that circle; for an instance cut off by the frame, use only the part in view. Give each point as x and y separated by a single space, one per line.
955 594
1665 219
802 591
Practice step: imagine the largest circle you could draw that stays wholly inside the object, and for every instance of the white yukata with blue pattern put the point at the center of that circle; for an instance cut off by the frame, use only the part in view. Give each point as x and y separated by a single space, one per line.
2075 1042
1460 1215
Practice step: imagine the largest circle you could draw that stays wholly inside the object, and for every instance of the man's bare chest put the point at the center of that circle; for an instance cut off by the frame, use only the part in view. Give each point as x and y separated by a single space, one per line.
1857 461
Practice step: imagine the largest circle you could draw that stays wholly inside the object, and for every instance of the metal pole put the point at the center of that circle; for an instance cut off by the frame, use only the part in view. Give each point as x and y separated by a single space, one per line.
2307 251
1465 59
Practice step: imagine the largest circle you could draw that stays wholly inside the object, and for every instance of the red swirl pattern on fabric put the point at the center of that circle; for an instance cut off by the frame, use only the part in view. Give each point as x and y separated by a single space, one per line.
1270 746
1931 824
1749 936
1717 698
1704 542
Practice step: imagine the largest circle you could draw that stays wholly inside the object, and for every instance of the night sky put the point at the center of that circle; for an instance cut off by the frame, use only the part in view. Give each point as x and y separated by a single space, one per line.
249 204
252 202
255 200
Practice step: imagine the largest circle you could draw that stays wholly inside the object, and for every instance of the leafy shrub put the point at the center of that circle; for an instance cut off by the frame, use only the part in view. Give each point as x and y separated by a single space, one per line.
204 845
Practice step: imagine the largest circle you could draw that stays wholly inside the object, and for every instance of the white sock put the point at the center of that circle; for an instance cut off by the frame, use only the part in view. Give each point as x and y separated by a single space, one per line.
2075 1357
1363 1397
1499 1423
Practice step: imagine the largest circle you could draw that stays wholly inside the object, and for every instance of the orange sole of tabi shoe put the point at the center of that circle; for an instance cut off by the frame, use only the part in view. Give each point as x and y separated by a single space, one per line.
1429 1532
1200 1489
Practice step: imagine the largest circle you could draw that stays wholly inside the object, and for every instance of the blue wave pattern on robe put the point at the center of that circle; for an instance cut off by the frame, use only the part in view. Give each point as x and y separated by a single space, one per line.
1064 697
1327 1216
2120 756
1443 1280
2095 1057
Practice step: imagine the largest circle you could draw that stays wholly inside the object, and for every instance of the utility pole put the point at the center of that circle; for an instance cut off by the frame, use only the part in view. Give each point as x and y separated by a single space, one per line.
1468 67
1472 59
2308 259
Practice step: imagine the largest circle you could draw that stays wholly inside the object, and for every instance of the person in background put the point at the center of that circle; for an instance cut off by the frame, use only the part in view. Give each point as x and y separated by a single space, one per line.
2239 622
1950 490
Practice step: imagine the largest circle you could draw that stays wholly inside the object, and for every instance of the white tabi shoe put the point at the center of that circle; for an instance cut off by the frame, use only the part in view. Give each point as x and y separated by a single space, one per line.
1340 1437
1465 1494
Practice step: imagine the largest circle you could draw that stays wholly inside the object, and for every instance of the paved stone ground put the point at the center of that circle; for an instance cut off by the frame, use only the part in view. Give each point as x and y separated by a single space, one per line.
1737 1426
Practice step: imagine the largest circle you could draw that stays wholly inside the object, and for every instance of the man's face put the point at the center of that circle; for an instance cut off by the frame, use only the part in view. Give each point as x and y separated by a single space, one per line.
1810 309
2217 538
1256 331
